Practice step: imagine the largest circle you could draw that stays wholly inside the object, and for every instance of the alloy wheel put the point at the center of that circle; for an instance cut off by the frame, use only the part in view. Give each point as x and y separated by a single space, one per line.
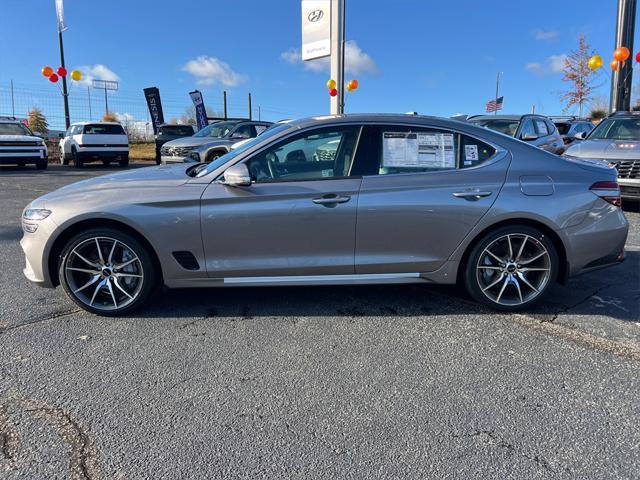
513 269
104 273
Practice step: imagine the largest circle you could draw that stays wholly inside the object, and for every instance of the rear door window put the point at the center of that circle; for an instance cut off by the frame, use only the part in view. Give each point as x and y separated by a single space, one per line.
103 129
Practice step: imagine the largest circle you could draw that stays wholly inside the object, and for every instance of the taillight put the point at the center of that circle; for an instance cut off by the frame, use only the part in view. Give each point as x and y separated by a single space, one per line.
609 191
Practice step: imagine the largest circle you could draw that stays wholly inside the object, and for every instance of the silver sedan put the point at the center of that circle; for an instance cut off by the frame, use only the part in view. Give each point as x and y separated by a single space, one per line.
355 199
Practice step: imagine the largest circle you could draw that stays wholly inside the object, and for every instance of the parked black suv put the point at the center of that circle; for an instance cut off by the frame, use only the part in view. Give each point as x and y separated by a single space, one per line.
534 129
168 132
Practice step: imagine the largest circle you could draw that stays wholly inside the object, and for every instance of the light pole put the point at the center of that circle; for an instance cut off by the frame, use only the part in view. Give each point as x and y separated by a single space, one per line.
337 53
621 80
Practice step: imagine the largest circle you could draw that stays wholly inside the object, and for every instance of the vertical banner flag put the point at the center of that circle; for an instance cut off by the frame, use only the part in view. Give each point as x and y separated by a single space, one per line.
60 14
201 112
152 95
316 29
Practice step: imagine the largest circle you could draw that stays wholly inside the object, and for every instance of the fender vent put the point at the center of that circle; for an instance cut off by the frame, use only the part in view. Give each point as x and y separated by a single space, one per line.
186 260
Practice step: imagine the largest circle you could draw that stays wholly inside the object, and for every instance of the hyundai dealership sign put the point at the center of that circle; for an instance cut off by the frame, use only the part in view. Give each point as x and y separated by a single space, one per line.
316 29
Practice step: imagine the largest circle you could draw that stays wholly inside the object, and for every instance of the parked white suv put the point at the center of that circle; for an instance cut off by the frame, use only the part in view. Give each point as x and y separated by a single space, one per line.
95 141
19 146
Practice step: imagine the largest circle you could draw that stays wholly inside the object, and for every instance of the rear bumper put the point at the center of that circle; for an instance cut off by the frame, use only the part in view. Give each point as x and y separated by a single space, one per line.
92 155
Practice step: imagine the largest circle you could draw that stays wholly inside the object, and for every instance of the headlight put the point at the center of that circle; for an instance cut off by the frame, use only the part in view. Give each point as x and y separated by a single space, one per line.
34 214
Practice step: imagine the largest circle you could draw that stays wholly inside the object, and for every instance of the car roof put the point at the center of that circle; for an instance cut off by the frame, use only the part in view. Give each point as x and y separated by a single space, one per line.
505 116
624 114
94 123
6 120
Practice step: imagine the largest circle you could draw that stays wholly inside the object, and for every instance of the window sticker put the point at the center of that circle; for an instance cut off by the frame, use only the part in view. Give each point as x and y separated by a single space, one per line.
470 154
418 150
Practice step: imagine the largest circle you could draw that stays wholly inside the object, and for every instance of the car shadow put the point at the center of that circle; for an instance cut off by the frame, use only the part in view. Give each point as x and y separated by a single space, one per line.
615 293
56 168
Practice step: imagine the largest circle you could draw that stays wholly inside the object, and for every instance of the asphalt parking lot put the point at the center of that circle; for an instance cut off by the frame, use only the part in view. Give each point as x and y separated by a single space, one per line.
322 382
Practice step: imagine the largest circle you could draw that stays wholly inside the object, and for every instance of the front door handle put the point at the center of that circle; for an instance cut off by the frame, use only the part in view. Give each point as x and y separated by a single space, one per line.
472 194
331 199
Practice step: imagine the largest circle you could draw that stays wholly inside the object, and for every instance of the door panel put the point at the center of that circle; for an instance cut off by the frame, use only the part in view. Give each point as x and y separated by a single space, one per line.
414 222
277 228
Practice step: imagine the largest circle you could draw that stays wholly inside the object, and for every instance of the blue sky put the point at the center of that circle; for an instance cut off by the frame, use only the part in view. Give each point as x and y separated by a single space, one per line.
428 56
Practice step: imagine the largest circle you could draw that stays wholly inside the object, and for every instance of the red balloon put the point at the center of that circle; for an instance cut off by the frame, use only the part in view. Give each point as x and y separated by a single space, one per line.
62 71
53 78
333 92
638 57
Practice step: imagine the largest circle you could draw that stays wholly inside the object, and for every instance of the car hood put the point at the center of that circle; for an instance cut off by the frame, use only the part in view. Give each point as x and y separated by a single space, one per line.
138 179
19 138
605 149
194 141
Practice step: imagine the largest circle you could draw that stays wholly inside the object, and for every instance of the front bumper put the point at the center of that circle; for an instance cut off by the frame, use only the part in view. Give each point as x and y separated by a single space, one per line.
167 159
36 252
15 157
629 188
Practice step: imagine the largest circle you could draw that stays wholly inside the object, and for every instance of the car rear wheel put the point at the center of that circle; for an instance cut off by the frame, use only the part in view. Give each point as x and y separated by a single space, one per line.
512 268
76 159
106 271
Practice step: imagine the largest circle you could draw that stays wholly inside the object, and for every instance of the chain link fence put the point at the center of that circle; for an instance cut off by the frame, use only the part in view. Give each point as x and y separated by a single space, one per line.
130 108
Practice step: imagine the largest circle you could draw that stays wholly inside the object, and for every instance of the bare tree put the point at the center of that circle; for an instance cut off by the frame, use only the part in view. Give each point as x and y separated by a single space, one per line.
581 78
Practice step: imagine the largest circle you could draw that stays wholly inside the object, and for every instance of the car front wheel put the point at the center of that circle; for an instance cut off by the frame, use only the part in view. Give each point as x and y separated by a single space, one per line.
512 268
106 271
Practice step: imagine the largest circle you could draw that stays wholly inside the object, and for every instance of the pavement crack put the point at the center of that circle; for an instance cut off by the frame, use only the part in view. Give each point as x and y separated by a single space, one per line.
52 316
576 304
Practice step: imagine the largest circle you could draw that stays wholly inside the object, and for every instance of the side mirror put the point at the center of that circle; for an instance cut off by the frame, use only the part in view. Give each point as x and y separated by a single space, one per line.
580 135
237 176
527 137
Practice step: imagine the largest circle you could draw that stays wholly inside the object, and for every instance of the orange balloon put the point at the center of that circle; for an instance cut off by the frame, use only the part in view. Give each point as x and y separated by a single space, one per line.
621 54
614 65
353 84
47 71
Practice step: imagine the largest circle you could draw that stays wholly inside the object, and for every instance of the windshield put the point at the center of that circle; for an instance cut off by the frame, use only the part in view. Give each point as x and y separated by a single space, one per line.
508 127
14 129
249 143
617 129
563 128
184 130
216 130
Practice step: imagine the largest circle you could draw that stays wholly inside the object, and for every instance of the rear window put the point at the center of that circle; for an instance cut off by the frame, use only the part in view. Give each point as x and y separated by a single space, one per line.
184 130
98 129
563 128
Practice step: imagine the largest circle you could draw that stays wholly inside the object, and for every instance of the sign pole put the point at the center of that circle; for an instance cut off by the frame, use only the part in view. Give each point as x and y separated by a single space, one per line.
337 54
65 92
495 112
621 80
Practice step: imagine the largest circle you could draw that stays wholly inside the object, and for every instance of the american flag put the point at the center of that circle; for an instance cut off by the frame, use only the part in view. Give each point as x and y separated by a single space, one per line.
495 104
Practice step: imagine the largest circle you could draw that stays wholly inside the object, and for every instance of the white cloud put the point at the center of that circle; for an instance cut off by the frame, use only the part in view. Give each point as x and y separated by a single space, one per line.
545 35
356 61
96 72
551 65
210 70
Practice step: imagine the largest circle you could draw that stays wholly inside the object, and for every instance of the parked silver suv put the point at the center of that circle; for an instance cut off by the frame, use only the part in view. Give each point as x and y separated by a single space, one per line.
616 140
19 146
211 142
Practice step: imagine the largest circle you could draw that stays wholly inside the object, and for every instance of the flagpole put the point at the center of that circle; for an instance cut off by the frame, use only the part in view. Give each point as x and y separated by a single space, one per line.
65 92
495 112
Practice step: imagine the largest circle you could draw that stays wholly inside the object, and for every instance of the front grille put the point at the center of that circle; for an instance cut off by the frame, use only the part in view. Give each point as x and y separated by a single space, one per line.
628 168
20 144
176 151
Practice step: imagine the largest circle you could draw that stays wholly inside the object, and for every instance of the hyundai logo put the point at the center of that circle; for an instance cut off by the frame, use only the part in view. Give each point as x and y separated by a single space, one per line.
315 16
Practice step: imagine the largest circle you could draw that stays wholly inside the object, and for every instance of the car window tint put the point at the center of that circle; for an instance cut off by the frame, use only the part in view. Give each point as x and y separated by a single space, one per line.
541 127
318 154
473 152
244 131
260 129
527 128
98 129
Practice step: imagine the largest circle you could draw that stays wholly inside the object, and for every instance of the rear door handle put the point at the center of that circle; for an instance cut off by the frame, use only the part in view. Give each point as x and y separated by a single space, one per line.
472 194
331 199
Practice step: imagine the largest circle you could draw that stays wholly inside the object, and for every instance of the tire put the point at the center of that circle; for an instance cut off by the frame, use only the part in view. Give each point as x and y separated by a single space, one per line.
519 280
64 160
77 162
213 156
42 165
124 162
89 279
158 156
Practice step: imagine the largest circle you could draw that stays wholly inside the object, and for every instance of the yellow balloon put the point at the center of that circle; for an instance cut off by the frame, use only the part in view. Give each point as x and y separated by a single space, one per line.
76 75
595 62
331 84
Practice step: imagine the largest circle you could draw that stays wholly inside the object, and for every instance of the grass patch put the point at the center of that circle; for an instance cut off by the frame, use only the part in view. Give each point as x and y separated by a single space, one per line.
142 151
